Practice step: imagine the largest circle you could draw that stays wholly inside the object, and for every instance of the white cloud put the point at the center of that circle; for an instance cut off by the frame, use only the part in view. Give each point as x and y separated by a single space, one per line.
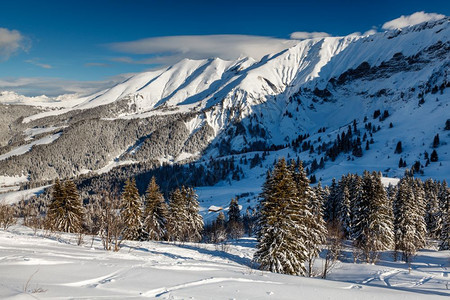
37 63
370 32
415 18
303 35
11 41
36 86
170 49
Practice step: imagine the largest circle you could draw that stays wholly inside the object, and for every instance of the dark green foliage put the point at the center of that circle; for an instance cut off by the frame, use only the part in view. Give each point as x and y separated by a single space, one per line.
434 156
65 212
447 125
436 141
409 222
235 226
131 211
281 246
185 224
398 148
155 213
373 229
290 226
177 219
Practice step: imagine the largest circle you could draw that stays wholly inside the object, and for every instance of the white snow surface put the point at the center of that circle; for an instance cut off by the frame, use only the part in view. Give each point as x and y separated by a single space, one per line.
53 267
27 147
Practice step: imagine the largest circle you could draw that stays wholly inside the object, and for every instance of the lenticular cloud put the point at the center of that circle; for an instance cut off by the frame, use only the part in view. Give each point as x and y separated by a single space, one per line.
415 18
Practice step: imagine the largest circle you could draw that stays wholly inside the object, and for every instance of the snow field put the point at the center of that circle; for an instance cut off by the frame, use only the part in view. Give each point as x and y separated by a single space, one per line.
42 267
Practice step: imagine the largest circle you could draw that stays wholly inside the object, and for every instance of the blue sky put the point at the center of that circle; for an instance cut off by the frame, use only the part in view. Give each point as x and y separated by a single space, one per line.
49 46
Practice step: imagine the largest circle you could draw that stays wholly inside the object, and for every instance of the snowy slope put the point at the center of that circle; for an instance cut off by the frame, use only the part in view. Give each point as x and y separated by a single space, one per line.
53 267
318 83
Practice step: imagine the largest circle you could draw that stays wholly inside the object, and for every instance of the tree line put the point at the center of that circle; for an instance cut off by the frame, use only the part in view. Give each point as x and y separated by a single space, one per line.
296 222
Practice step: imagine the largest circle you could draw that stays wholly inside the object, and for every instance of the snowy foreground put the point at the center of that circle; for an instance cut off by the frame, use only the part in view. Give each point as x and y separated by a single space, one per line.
37 267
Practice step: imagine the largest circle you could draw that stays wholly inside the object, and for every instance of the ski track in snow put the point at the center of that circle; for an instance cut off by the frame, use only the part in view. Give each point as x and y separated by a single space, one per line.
161 291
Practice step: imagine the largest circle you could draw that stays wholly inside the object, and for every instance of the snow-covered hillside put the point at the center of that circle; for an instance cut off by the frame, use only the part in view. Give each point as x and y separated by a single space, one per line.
39 267
215 108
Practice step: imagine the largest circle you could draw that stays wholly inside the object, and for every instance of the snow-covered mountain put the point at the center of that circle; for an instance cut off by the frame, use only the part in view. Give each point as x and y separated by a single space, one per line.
292 103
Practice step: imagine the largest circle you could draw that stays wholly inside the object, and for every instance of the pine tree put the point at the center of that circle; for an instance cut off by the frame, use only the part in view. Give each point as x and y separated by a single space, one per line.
281 231
434 156
398 148
433 215
345 215
131 211
235 226
65 212
177 220
74 208
194 219
218 233
406 215
331 205
155 213
374 223
444 202
55 212
312 216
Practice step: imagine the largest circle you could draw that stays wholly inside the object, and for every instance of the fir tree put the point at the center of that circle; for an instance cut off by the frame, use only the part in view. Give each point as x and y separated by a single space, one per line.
194 219
433 216
345 216
281 232
131 211
177 220
155 213
398 148
65 212
312 216
235 227
434 156
55 212
444 202
374 224
74 208
406 215
331 205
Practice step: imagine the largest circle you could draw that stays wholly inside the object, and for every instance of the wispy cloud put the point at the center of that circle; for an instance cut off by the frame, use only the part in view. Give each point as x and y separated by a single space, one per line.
11 41
303 35
97 64
37 63
170 49
415 18
35 86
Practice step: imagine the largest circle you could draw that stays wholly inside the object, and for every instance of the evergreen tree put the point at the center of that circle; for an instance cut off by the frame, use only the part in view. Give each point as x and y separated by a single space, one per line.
131 211
331 205
312 216
398 148
436 141
434 156
177 220
155 213
65 212
406 215
345 215
218 233
55 212
433 215
235 226
74 208
444 202
281 230
194 219
374 223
